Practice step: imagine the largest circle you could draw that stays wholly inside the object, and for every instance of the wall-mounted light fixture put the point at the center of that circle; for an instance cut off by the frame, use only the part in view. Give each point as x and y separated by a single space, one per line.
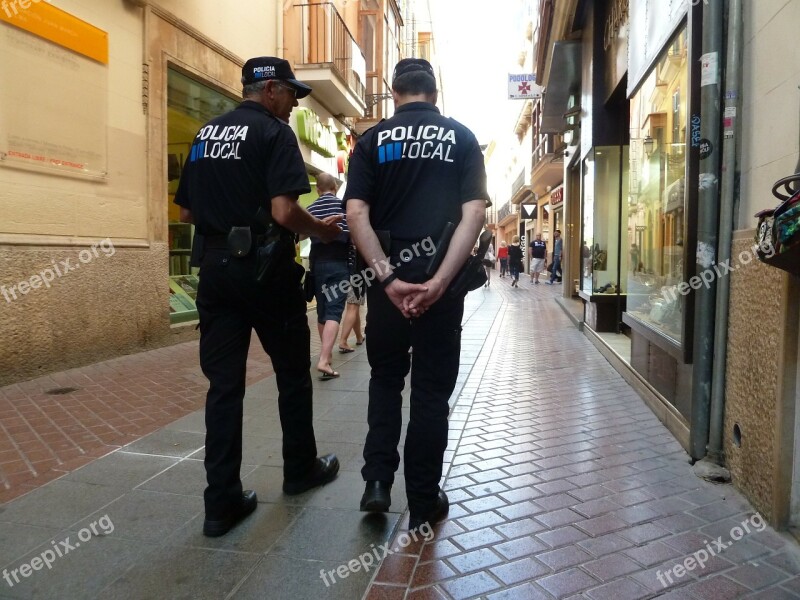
648 144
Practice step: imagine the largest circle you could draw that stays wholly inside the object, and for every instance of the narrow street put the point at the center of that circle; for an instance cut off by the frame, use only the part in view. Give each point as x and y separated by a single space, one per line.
562 483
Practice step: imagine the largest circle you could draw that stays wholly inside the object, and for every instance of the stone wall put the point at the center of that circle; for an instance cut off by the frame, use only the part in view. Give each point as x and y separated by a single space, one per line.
114 303
753 373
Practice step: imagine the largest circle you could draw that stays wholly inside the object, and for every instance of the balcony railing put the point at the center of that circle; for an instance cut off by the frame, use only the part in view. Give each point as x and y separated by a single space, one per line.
546 145
518 183
326 40
504 211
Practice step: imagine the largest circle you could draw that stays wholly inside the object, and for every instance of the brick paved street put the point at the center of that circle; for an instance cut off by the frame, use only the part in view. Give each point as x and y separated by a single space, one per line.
563 484
54 424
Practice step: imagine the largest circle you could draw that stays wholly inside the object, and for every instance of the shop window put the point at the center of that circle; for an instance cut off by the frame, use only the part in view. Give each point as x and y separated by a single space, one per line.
190 105
603 265
657 196
557 216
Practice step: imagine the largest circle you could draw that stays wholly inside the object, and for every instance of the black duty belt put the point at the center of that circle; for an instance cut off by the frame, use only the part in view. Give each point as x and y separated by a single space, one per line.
219 241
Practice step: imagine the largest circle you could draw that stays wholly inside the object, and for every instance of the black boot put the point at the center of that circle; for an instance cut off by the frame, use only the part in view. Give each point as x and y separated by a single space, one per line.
377 497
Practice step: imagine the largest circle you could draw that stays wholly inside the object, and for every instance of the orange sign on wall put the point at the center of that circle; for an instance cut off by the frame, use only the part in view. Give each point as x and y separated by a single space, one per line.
53 24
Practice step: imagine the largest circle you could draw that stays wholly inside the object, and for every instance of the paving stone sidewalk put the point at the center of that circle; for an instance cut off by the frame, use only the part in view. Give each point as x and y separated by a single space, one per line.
57 423
149 494
562 482
565 485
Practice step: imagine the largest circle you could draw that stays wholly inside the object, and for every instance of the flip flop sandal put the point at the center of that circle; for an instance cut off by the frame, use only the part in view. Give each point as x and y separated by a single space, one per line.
361 342
327 376
345 350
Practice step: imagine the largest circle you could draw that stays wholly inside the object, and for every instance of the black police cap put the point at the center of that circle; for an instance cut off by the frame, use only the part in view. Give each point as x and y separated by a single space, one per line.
262 68
409 65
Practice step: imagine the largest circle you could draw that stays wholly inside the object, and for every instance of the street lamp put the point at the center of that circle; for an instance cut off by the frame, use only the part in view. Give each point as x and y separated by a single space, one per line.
648 143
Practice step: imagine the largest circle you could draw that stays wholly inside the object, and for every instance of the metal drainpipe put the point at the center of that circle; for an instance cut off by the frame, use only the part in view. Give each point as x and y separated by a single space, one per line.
733 75
707 222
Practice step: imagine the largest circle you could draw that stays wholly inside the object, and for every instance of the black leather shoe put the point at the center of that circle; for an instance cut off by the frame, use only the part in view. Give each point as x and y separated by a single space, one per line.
324 471
377 497
223 526
436 515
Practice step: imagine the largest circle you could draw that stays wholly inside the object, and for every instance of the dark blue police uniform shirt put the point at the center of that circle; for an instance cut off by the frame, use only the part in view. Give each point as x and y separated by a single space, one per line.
415 170
238 162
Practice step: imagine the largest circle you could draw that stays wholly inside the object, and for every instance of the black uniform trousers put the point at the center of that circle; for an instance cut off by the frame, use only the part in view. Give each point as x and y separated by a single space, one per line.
231 304
436 341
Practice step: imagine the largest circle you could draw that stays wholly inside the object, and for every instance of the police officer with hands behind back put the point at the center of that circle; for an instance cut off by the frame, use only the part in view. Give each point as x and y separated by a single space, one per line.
240 162
410 176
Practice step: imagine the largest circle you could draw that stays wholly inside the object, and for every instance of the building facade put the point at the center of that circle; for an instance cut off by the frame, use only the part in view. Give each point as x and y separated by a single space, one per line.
627 86
761 433
95 262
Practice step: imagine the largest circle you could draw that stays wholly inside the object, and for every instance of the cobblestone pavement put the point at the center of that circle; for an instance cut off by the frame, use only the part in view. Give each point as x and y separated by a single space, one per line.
55 424
565 485
562 484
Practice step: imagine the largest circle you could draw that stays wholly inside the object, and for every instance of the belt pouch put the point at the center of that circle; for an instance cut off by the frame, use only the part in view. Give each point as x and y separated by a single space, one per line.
469 278
240 240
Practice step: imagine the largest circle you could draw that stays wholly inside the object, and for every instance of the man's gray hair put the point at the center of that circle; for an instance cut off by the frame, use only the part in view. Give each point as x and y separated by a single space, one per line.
253 89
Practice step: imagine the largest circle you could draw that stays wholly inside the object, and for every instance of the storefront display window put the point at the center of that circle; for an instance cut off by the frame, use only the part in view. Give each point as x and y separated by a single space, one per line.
190 105
587 242
543 213
558 215
603 269
656 199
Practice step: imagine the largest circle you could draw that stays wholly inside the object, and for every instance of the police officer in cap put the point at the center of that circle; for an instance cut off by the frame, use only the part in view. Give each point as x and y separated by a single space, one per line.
239 162
410 176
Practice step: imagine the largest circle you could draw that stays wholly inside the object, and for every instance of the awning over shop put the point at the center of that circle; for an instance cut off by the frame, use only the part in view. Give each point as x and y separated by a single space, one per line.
564 81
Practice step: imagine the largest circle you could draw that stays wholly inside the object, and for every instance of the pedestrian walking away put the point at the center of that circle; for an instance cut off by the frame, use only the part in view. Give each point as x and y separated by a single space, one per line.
515 261
488 264
538 257
412 177
558 245
329 267
502 256
351 323
243 204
